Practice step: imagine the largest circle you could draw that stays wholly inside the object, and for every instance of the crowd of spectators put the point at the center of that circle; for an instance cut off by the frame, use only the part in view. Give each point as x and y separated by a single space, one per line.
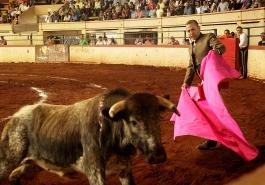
83 10
14 10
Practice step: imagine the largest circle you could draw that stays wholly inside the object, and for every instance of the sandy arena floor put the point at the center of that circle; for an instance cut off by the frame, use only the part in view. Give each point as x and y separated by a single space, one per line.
68 83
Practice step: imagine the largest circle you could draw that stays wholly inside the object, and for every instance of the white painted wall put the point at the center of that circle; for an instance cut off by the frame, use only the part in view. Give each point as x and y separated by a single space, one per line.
17 54
154 56
131 55
256 63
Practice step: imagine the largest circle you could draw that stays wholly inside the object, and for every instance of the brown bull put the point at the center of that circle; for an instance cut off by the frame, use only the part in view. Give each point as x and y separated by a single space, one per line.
96 137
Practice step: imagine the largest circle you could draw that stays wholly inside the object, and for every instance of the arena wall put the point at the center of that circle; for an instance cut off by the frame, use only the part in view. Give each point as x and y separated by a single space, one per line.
130 55
256 62
17 54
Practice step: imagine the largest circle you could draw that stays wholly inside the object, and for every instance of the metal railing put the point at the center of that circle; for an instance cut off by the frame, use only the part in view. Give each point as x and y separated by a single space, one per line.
126 38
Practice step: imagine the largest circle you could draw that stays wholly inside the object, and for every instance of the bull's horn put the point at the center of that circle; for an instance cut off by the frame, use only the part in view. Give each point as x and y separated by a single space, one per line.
117 107
168 104
165 103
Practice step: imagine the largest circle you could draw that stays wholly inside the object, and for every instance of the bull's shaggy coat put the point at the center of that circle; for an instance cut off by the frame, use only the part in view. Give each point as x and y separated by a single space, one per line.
94 136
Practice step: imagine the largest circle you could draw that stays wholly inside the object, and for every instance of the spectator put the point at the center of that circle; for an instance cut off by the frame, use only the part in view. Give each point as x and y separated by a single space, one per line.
262 42
255 4
75 16
168 13
50 41
139 13
118 9
55 17
93 41
106 40
49 17
17 12
125 14
178 10
159 11
152 8
213 6
258 4
3 41
23 7
148 41
146 12
97 7
173 41
177 2
188 8
112 42
198 8
205 7
139 41
114 14
100 41
132 10
226 34
67 17
223 6
243 51
161 4
232 5
246 4
86 10
186 42
83 41
233 35
15 20
239 4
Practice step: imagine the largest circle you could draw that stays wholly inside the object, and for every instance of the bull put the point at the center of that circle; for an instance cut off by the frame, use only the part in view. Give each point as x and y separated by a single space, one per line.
96 137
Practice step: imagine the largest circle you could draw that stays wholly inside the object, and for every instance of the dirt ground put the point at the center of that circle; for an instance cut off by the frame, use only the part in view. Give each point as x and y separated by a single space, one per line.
68 83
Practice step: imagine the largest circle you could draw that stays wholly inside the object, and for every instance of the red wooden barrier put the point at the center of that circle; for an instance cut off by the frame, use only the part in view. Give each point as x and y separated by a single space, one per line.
231 54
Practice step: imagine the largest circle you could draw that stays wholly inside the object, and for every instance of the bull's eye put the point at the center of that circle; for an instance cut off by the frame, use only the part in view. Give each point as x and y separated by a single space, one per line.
134 123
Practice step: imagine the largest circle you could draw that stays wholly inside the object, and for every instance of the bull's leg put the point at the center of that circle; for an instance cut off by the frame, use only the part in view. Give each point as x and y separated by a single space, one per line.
14 177
60 171
29 162
126 178
13 147
93 166
125 175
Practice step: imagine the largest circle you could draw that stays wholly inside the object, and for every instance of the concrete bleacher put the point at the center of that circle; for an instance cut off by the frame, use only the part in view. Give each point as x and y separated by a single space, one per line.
29 20
251 19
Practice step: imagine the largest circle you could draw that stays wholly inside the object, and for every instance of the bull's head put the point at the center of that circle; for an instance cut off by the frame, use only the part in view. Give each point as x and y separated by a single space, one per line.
141 117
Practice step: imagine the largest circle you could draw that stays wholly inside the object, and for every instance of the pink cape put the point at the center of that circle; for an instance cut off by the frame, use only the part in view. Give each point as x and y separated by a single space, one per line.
209 118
